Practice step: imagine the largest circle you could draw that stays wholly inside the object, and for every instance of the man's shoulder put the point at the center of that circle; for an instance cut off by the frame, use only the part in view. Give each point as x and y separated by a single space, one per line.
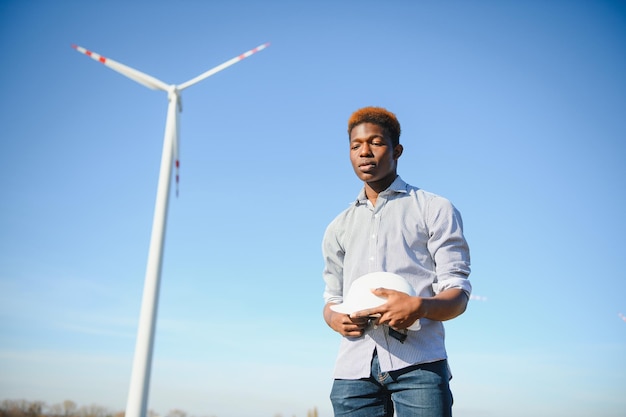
427 202
401 186
421 193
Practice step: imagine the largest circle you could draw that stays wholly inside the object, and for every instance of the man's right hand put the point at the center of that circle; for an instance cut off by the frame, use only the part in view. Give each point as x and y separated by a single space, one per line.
344 324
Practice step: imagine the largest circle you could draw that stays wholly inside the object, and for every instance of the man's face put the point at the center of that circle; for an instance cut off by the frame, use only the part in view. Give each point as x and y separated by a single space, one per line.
371 153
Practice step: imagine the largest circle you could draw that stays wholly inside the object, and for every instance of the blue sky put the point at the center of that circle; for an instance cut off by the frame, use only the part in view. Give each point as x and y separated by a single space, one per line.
512 110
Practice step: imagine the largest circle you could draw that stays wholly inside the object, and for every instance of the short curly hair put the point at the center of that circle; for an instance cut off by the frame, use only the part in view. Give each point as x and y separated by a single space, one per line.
378 116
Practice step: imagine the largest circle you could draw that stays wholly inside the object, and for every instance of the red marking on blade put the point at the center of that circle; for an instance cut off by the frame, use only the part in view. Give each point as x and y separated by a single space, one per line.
177 163
102 59
88 53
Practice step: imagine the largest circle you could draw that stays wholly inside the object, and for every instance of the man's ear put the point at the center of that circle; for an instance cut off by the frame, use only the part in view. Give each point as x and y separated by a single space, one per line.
397 151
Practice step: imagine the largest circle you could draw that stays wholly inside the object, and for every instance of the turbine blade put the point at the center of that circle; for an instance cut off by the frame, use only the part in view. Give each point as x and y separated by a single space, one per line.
221 67
133 74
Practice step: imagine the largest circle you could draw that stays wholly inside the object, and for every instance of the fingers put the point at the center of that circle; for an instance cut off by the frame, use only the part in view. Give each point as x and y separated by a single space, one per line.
358 320
383 292
378 311
364 314
353 327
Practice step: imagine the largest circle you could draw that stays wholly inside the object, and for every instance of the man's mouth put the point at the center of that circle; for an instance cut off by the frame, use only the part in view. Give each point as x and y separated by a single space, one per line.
367 166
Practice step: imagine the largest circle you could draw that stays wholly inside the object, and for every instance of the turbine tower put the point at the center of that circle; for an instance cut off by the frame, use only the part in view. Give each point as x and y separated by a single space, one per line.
140 377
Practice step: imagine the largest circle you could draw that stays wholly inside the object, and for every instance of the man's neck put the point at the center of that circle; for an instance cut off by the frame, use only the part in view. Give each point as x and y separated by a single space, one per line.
373 189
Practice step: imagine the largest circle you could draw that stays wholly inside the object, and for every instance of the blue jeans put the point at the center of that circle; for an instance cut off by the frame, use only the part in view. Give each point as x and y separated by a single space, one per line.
416 391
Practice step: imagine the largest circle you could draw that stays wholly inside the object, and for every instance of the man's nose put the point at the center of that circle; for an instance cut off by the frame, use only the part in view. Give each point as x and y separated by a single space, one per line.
366 150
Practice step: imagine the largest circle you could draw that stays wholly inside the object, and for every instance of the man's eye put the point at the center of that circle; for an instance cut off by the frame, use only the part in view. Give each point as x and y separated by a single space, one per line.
353 147
378 143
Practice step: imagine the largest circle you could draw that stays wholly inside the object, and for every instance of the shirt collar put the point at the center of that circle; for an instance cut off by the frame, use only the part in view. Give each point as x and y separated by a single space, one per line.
397 186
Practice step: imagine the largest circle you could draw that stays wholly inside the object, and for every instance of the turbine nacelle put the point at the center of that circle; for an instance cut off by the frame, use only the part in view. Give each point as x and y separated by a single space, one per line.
173 94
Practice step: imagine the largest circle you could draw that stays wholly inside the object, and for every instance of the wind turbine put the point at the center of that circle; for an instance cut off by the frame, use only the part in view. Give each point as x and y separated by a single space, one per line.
140 377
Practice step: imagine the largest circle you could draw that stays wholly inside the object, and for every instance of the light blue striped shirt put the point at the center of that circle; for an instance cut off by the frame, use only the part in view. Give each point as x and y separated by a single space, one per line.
410 232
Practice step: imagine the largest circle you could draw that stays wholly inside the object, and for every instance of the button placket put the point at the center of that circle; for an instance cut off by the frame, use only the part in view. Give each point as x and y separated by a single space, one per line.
373 239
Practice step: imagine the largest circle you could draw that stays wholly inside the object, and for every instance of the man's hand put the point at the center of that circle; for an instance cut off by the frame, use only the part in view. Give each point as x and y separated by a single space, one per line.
400 311
344 324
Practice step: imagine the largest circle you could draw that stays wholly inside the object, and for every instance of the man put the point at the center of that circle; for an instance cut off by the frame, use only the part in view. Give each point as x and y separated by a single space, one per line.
398 228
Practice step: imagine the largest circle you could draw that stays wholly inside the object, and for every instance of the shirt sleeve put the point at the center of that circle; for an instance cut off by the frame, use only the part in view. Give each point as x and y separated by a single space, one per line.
333 254
447 246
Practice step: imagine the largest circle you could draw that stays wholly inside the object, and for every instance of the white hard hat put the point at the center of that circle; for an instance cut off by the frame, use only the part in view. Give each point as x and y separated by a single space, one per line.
360 296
